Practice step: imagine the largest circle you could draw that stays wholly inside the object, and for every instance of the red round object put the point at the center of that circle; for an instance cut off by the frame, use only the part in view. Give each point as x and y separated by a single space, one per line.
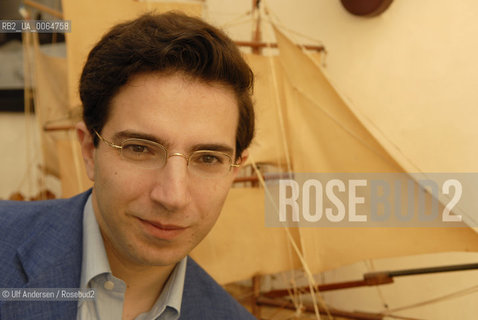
366 7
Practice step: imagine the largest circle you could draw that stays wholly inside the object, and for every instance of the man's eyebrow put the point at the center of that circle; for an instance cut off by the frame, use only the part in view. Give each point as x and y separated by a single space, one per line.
215 147
127 134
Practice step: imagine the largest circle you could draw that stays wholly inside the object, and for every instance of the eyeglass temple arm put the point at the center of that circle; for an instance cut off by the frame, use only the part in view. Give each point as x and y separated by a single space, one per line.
107 142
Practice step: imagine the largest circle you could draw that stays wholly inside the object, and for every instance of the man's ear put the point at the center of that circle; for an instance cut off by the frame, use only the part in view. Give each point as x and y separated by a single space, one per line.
87 148
244 156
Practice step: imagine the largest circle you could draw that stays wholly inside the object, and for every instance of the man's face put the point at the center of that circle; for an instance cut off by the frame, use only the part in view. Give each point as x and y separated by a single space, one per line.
157 216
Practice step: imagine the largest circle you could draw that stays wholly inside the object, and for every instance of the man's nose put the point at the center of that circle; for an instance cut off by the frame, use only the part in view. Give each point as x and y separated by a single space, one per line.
171 188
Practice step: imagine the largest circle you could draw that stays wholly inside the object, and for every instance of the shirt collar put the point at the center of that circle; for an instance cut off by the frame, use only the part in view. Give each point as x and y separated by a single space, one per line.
172 293
95 260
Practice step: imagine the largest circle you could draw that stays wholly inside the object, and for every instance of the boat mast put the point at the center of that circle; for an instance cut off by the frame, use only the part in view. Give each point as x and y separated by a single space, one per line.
257 36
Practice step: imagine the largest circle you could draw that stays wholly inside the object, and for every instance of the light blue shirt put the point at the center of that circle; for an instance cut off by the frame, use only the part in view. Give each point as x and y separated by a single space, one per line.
109 290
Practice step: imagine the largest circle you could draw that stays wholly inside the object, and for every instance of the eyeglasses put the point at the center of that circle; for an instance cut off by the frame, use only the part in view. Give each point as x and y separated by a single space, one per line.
152 155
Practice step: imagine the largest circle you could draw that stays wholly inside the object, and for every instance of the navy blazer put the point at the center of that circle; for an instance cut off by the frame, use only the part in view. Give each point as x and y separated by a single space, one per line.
41 247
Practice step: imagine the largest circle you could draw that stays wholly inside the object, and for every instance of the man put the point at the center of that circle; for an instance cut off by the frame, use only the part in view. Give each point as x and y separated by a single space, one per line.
167 120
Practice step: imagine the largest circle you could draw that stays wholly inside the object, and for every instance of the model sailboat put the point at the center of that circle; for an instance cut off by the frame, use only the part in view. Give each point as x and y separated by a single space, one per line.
304 125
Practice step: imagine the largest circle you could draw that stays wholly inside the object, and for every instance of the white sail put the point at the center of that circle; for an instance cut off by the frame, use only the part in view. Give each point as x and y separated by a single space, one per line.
323 135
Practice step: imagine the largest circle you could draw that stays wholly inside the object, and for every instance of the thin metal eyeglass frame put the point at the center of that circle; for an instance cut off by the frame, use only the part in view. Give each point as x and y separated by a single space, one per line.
185 156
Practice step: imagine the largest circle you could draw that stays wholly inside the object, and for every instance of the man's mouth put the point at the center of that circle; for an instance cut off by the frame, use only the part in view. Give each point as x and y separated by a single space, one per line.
160 230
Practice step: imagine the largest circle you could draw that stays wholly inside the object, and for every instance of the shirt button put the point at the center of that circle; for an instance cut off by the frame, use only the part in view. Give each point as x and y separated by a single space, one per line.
109 285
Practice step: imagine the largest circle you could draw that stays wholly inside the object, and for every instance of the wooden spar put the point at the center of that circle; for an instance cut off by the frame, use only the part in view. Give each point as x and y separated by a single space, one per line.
43 8
268 176
333 286
375 278
281 303
58 128
254 44
411 272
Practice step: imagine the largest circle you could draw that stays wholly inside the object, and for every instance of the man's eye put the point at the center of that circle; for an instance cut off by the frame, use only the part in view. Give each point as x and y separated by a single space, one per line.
209 158
136 148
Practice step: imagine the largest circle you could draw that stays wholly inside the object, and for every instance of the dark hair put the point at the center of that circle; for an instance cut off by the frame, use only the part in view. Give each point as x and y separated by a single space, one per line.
169 42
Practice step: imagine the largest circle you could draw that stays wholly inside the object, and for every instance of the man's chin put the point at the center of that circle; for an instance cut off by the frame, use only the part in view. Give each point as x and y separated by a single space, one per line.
160 258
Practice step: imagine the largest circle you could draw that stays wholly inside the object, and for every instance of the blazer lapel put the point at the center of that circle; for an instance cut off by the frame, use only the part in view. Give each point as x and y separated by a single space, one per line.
51 258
